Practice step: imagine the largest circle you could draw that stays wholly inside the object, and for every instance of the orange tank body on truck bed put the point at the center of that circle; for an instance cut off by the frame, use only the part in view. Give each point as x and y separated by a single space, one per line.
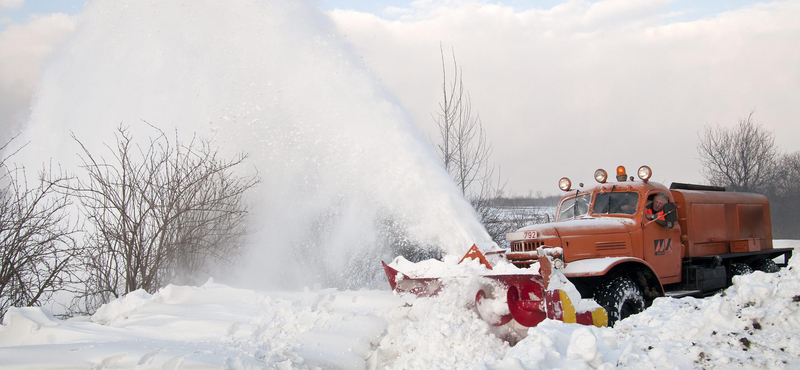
716 223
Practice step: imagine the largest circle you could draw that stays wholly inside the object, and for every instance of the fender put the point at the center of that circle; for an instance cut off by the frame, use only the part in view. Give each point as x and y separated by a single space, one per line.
594 267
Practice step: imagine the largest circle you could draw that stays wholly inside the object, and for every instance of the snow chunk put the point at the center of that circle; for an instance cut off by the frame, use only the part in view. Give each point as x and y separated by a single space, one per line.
120 308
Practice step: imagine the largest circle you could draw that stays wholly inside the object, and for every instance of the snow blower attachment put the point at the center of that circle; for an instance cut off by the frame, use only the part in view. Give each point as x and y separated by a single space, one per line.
530 297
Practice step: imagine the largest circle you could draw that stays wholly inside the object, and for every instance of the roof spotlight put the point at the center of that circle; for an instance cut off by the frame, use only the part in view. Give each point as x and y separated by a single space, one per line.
564 184
645 173
601 175
621 174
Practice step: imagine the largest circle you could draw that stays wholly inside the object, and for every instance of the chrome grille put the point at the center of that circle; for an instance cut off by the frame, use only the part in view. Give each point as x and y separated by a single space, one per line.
526 246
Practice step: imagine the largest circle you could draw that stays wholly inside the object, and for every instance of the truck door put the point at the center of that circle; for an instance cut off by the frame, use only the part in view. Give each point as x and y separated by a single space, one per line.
662 246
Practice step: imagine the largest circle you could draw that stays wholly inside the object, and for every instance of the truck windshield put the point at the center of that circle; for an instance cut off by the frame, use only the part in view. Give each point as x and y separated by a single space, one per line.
574 207
615 203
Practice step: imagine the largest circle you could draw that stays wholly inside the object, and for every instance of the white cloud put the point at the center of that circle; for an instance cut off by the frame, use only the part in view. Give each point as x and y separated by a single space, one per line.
11 4
616 10
583 85
24 49
394 11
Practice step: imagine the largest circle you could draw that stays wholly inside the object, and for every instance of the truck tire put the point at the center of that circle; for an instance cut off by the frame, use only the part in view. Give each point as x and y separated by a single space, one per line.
620 297
765 265
740 269
737 269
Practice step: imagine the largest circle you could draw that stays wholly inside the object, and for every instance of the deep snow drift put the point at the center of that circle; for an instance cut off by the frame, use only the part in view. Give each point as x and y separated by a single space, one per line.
345 172
753 324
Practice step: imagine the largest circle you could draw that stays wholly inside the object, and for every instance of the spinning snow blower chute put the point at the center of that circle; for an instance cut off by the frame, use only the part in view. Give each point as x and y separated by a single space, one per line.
529 298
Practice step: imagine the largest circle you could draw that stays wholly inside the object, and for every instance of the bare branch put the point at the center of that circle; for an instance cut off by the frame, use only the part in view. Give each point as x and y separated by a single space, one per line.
463 146
36 240
160 213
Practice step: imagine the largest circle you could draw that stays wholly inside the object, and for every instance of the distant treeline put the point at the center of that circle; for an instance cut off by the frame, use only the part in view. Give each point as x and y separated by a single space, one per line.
525 201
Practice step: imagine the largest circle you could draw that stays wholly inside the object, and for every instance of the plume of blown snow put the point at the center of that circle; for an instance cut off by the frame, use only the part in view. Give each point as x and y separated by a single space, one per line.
347 176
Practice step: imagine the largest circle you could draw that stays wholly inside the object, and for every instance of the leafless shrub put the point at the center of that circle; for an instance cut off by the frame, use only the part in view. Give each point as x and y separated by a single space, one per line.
37 248
784 201
787 177
741 158
159 214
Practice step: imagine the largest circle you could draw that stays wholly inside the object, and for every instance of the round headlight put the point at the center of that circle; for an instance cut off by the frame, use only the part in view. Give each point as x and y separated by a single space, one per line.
645 173
564 184
601 175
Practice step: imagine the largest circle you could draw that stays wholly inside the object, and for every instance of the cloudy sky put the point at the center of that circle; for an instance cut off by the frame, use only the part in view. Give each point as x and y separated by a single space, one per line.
562 87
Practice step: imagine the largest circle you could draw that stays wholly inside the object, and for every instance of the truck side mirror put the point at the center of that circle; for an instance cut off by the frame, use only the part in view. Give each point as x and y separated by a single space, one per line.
670 213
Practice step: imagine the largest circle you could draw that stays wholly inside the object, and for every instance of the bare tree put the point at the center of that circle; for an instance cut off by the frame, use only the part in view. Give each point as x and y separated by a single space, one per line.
787 177
784 202
465 151
463 148
37 248
158 214
741 158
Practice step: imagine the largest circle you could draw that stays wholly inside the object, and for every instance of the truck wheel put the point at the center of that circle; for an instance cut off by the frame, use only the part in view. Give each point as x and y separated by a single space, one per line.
737 269
620 297
740 269
765 265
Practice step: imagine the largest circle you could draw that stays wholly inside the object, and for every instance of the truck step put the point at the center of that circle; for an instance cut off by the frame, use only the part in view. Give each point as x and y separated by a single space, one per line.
683 293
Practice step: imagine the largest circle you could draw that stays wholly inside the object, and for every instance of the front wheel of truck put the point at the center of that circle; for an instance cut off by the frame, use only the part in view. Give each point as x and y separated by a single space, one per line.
621 298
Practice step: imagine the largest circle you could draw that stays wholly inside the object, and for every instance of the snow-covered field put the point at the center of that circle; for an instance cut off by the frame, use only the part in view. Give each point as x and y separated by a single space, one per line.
755 324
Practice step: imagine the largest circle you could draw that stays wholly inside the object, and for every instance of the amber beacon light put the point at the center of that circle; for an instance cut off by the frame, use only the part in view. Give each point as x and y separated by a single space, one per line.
621 174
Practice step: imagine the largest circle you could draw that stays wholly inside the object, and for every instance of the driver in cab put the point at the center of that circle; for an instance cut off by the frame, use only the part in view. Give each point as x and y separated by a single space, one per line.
655 210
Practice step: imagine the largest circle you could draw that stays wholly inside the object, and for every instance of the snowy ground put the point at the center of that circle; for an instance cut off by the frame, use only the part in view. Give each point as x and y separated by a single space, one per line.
755 324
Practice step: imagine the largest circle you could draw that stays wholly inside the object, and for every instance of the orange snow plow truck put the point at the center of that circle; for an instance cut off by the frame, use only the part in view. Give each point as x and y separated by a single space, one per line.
623 244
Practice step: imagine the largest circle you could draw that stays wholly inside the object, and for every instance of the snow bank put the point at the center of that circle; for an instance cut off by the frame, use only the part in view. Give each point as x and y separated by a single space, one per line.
212 326
755 324
440 333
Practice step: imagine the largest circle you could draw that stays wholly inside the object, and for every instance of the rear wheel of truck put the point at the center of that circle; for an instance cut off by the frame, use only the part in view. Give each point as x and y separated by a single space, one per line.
740 269
765 265
620 297
737 269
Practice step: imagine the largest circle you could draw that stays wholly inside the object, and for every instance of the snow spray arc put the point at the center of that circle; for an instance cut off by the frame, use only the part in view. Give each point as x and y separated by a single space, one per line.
344 170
